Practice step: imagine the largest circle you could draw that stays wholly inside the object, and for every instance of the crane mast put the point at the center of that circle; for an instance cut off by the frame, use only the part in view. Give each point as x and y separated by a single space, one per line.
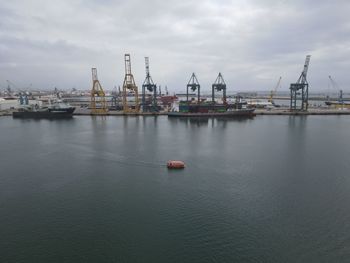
299 91
129 88
98 103
219 85
193 84
149 85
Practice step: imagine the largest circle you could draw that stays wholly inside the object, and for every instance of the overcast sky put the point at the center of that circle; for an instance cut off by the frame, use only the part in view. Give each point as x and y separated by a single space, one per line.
252 42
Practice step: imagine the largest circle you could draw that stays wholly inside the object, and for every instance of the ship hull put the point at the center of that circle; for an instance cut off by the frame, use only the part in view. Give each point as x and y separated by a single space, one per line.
240 113
49 114
337 104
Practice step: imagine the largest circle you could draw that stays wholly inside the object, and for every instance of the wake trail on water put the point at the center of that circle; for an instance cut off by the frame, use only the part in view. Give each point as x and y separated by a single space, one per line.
129 160
119 158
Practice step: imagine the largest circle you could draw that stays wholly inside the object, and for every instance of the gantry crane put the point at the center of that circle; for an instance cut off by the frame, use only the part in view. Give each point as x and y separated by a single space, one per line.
274 91
219 85
300 90
151 87
194 85
98 100
129 88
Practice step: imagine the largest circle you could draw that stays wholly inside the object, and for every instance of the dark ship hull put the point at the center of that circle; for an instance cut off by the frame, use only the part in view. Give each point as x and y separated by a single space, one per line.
45 114
236 113
235 110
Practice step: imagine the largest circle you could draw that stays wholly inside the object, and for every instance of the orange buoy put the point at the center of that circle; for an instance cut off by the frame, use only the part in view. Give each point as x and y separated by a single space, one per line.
175 164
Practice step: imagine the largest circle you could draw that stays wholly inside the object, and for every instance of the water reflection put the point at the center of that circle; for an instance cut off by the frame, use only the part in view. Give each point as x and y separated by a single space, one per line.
281 181
63 120
205 121
297 122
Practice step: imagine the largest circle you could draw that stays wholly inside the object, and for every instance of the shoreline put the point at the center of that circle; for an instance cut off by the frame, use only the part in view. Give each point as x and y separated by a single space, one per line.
280 112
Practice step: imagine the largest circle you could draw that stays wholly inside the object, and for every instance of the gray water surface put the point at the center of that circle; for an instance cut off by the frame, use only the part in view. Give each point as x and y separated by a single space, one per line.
268 189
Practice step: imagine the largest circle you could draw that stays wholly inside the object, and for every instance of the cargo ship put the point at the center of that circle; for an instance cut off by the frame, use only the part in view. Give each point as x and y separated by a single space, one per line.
338 104
235 110
53 111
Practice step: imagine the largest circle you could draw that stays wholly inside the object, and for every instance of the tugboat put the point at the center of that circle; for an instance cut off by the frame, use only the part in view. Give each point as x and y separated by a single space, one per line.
56 110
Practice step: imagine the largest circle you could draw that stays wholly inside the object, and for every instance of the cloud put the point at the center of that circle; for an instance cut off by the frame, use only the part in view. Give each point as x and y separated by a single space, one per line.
251 42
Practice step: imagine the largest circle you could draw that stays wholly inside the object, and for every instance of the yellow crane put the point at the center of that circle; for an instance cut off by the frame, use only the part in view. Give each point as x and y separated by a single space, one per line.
273 92
129 88
98 103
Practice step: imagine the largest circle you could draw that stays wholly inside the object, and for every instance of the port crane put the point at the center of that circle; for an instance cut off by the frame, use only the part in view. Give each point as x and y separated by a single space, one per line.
193 84
149 85
23 95
274 91
129 88
20 90
9 85
98 103
300 90
335 86
219 85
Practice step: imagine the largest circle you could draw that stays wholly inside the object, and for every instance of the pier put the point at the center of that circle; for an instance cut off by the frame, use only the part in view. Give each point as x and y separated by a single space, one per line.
269 112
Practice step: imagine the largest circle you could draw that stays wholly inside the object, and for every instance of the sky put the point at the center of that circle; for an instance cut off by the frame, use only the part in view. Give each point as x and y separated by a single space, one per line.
46 44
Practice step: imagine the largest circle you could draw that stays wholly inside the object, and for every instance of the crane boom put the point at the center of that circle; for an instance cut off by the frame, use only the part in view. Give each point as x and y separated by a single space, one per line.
273 92
303 75
334 84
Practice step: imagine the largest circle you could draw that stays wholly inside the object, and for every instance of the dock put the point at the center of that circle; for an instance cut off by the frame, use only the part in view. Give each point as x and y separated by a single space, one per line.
270 112
316 111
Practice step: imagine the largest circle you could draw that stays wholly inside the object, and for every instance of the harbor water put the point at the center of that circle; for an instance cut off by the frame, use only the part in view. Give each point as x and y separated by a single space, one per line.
97 189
